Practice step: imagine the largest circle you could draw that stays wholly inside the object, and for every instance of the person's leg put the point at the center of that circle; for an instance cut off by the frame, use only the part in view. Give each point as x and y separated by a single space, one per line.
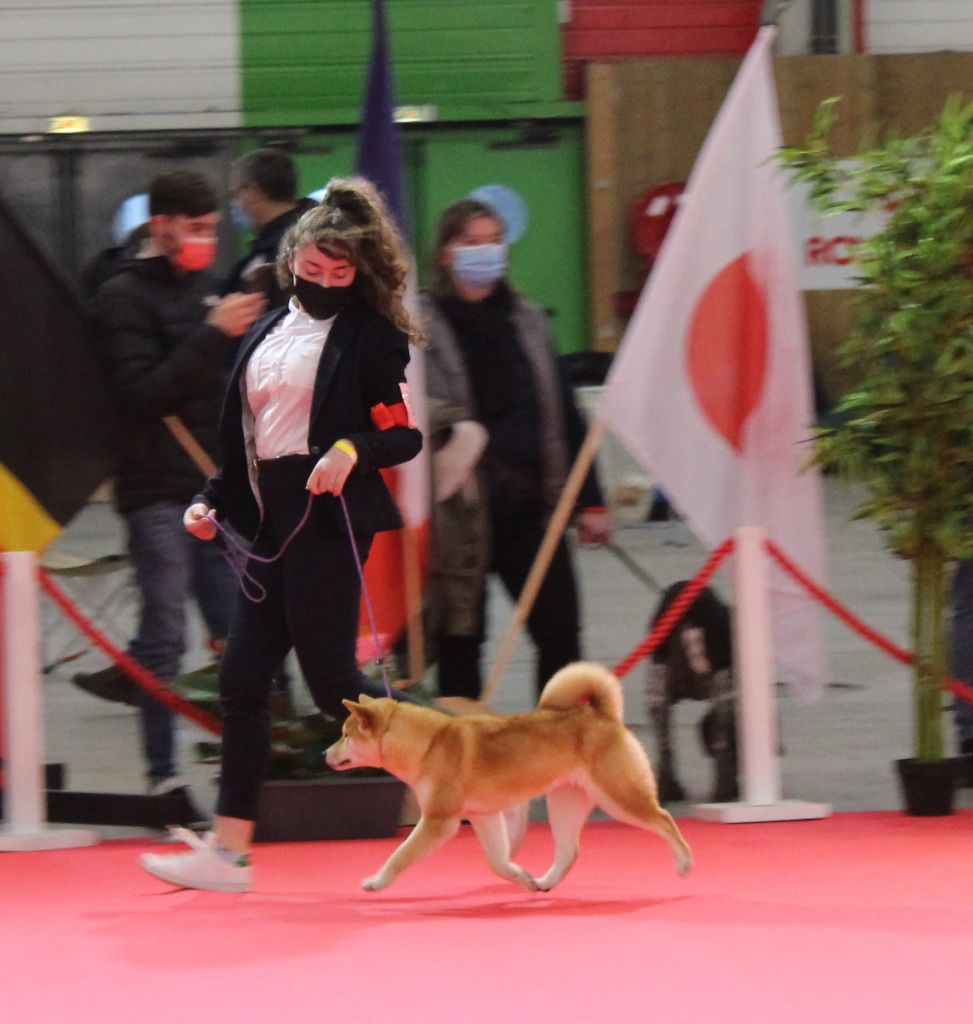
162 571
459 671
257 642
323 602
322 609
553 623
659 705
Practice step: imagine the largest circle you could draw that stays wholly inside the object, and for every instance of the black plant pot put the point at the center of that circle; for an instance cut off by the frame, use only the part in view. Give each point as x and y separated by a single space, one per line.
333 806
928 787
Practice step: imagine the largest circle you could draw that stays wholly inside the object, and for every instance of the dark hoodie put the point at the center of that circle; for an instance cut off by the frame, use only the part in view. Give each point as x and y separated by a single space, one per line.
162 359
264 249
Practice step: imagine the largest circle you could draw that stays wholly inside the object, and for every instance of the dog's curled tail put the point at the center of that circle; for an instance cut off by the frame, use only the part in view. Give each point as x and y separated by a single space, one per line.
583 683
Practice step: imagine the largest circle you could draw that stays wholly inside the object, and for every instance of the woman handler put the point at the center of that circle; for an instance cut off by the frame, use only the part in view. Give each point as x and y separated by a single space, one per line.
316 405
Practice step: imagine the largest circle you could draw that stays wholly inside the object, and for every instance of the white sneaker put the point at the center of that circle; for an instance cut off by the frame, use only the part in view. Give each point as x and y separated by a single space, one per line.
162 787
206 867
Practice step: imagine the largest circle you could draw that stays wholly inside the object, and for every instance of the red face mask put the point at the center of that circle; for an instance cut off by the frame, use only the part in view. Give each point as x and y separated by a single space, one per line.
196 252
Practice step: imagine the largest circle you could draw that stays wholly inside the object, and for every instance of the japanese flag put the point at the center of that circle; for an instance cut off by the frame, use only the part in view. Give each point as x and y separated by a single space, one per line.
711 387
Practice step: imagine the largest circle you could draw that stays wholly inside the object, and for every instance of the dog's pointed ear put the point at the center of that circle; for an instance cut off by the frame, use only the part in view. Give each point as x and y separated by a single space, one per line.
365 716
363 698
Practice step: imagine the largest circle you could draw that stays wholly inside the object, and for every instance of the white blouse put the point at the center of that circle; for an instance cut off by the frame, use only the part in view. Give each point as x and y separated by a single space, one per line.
280 383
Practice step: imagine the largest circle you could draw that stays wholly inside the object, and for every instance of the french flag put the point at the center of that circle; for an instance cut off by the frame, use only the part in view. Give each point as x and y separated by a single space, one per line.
396 567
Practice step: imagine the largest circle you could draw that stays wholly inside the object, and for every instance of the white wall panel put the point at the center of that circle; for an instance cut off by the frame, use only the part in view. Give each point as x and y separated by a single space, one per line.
910 26
122 63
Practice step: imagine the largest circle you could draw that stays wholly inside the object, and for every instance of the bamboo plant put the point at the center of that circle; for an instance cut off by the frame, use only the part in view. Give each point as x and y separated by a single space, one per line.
906 429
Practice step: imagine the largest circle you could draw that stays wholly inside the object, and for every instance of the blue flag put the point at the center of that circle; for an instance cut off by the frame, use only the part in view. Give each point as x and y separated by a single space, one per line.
379 146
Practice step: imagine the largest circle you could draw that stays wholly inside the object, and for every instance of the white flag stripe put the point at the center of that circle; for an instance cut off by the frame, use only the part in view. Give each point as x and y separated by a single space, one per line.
735 209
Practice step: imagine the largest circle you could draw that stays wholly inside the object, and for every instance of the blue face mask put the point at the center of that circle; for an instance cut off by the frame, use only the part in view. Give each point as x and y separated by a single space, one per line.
480 266
241 221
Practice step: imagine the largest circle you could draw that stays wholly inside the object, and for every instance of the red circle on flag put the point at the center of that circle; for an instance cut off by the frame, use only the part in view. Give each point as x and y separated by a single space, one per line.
727 349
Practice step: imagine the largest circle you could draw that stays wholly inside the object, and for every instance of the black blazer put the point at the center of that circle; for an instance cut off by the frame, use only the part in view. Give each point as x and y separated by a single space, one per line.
362 365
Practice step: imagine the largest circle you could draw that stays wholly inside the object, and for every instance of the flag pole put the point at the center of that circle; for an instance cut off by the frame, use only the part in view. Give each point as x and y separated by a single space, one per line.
24 810
413 603
755 713
542 561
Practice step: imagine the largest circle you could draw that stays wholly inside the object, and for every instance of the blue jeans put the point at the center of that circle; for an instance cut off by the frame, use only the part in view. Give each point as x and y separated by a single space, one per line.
961 658
169 565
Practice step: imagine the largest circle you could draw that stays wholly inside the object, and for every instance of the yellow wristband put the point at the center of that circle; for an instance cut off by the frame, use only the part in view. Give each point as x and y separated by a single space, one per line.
344 445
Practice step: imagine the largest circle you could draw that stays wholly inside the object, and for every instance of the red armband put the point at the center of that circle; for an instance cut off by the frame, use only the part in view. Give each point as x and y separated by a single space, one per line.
382 417
398 415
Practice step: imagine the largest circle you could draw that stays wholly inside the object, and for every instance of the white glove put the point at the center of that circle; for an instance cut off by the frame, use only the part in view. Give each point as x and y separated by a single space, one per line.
454 463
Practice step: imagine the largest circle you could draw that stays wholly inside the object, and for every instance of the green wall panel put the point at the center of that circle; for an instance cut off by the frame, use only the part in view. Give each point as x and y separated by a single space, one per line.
306 62
445 164
548 263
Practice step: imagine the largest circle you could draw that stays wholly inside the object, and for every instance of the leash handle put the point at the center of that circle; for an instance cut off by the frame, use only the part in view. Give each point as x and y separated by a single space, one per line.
238 556
379 652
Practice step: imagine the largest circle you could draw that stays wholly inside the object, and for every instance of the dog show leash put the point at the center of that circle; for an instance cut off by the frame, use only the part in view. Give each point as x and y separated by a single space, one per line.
238 555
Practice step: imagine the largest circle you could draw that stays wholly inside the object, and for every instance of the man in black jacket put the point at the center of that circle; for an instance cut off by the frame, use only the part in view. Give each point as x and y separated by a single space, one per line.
164 335
264 187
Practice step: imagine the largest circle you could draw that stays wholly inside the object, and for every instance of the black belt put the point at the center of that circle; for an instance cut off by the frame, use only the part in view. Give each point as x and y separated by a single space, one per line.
261 465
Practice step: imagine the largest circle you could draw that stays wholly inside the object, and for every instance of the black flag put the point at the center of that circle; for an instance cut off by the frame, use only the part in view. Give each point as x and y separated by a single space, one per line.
56 418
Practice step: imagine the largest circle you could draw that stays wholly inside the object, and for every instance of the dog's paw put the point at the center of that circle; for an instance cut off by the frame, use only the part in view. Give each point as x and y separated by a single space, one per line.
373 883
522 877
684 864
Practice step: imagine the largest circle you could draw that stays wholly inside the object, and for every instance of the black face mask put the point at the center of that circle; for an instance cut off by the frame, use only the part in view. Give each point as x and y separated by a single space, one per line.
317 301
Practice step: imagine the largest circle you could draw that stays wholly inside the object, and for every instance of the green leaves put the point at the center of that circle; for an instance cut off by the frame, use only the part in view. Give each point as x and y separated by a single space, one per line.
906 430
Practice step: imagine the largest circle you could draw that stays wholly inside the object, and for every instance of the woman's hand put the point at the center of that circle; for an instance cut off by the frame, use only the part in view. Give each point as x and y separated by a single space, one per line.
332 469
594 526
196 522
454 463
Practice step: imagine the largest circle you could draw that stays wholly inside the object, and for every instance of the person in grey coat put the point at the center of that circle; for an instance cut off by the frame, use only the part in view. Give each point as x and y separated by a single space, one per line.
503 427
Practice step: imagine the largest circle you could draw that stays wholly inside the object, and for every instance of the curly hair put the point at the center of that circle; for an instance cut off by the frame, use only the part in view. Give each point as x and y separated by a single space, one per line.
353 219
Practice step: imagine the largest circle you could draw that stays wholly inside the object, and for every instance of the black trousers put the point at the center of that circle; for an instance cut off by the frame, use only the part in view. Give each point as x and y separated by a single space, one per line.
312 607
553 623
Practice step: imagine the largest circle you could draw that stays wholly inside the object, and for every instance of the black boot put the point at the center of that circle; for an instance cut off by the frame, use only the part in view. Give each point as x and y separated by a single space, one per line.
109 684
726 787
966 775
670 788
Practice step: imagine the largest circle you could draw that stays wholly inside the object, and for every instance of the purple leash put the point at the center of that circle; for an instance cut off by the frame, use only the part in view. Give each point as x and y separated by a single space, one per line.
238 556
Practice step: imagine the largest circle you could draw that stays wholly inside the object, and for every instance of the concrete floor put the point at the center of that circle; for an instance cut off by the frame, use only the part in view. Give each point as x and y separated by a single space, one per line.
837 751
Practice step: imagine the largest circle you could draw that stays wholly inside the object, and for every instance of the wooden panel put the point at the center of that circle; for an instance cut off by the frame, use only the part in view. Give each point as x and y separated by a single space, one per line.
648 119
604 214
804 82
830 316
915 86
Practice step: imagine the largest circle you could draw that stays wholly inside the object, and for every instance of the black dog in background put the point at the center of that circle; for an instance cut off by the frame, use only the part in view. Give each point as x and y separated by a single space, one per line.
695 662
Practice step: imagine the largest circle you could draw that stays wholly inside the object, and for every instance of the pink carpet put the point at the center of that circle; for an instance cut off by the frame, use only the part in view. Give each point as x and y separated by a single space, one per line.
860 917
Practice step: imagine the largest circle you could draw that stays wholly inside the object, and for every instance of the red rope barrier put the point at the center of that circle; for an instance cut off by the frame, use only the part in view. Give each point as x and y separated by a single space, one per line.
676 610
140 675
961 690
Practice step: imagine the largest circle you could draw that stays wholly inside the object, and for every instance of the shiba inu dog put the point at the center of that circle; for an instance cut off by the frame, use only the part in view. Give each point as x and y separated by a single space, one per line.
573 748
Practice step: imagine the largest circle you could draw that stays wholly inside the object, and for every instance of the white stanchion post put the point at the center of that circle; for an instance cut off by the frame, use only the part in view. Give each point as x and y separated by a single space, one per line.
757 741
24 825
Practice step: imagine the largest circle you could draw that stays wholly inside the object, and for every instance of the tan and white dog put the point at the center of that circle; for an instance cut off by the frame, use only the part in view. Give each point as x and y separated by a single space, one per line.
573 748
